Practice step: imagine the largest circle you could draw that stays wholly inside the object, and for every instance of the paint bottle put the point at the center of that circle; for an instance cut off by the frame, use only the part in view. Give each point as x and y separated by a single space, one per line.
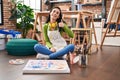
83 60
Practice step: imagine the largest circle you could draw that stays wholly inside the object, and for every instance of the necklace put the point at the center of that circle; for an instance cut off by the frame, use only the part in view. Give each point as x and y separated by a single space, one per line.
52 25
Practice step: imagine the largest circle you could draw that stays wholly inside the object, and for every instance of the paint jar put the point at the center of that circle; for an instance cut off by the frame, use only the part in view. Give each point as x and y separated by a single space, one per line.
83 60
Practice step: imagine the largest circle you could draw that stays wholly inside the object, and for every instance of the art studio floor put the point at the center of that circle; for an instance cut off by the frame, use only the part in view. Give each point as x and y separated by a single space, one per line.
103 65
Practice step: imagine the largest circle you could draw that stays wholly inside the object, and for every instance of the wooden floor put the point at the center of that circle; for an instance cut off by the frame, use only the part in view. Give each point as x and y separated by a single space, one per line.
103 65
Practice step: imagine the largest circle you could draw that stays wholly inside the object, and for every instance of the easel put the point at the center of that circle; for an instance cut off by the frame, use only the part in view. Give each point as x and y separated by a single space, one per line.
38 20
113 18
86 28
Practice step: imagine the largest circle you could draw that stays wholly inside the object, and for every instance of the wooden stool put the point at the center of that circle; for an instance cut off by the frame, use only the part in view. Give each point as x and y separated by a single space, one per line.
81 37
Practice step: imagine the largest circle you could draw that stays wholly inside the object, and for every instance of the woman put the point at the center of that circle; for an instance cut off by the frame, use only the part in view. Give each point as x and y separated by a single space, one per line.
56 45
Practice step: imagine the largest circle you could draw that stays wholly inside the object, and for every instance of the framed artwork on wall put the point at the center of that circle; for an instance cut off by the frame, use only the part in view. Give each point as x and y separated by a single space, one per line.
1 12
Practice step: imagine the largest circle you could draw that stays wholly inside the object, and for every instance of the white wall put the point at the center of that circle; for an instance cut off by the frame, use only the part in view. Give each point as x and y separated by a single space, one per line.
112 41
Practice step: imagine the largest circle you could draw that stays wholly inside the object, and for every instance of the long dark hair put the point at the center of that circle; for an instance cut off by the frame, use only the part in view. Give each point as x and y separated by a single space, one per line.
58 20
60 15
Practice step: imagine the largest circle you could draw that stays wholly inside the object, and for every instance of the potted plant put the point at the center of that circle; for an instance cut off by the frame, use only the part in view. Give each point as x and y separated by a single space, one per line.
24 16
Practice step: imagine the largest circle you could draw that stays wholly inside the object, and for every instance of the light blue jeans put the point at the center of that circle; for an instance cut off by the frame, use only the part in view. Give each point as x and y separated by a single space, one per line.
39 48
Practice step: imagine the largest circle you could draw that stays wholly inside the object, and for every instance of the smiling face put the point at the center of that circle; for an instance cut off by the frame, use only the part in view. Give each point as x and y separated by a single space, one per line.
54 15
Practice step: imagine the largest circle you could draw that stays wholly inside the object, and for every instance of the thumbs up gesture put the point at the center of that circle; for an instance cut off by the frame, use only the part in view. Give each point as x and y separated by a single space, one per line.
61 24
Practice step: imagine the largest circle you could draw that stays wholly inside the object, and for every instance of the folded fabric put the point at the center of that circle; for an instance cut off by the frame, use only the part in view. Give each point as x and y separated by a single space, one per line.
12 32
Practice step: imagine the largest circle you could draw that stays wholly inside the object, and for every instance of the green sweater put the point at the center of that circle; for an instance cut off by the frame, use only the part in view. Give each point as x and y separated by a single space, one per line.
45 32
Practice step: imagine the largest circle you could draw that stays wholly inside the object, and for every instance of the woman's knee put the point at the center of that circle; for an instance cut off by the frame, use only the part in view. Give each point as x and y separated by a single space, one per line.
71 47
36 46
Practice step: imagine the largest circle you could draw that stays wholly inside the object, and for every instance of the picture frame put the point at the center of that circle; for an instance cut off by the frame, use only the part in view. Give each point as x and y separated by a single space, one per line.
1 12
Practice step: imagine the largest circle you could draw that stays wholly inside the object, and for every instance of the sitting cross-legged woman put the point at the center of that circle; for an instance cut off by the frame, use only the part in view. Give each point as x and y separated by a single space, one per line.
56 45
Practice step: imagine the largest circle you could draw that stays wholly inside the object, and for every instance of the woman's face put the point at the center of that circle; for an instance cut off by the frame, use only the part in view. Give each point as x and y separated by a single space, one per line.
54 15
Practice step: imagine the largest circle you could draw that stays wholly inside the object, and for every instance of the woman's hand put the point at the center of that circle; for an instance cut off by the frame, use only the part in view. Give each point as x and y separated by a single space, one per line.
61 24
53 49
